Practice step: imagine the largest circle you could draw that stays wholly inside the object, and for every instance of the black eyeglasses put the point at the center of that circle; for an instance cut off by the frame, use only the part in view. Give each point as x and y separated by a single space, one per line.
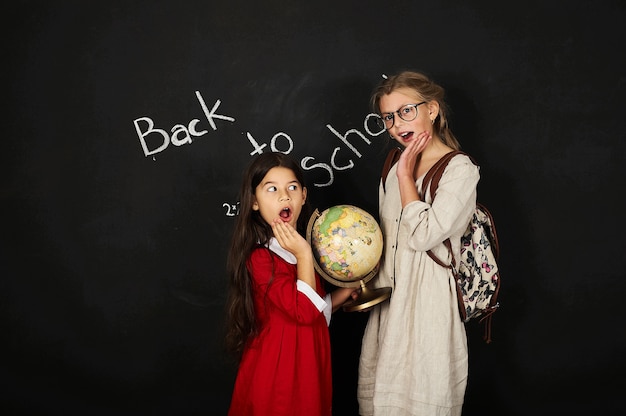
407 112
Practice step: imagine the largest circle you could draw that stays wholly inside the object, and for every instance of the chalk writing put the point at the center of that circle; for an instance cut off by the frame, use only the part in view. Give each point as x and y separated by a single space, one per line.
232 210
306 162
258 149
180 134
280 142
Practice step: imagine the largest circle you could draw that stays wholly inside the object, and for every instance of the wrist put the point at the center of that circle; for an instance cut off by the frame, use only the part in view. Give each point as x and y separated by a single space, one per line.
304 257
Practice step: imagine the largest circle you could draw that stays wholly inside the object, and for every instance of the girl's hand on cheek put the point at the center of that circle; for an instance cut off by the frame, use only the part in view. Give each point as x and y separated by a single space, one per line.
289 238
408 158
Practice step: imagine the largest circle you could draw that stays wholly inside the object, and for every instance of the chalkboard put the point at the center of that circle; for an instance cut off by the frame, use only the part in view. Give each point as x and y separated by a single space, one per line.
127 128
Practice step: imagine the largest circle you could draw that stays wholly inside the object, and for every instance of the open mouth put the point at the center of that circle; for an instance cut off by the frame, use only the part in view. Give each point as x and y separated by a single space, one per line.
285 214
406 135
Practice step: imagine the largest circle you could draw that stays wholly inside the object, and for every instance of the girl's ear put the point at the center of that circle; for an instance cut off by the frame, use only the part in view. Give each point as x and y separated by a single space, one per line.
303 195
433 110
255 205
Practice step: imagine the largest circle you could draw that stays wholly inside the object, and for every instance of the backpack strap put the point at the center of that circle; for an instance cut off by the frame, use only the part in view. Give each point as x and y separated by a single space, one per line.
392 158
431 180
434 174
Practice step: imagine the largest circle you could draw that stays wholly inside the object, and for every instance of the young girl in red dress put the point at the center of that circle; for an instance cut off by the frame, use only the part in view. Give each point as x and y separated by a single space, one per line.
277 308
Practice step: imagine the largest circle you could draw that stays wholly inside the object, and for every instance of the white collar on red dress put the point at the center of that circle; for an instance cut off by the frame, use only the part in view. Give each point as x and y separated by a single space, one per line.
284 254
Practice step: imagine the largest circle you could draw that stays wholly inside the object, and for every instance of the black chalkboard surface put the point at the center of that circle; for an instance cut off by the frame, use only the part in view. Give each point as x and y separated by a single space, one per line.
127 127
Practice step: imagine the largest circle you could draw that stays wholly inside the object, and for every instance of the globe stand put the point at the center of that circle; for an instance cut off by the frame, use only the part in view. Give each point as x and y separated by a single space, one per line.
366 298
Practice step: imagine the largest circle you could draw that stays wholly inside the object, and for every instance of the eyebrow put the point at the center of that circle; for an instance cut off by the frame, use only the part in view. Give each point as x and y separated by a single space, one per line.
274 182
393 112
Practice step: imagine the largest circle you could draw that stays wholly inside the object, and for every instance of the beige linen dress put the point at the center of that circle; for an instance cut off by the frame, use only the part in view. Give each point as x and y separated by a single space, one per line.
414 352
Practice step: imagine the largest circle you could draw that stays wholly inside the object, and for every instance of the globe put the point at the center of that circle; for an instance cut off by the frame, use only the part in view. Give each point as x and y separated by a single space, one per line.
347 244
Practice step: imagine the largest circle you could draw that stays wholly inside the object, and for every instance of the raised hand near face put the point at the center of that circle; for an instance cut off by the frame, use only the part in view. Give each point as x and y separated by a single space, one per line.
410 155
290 239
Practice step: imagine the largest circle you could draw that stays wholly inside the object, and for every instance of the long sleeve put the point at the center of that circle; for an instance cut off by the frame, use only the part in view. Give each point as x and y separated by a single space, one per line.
302 306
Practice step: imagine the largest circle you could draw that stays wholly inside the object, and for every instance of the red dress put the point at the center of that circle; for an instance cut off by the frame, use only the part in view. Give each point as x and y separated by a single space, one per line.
286 369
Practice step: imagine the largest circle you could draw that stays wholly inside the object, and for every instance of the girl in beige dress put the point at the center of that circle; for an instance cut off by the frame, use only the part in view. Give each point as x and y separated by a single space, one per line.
414 352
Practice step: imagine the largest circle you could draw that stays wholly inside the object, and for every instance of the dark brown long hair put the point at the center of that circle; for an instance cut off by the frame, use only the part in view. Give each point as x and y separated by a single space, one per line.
250 231
426 88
